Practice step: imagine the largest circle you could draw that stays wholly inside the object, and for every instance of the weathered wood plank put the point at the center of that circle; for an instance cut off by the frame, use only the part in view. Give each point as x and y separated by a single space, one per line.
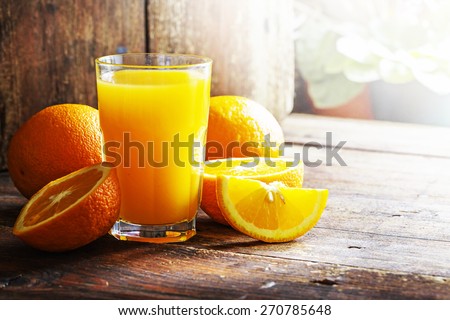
250 42
385 211
109 269
369 135
388 194
384 234
351 233
388 218
382 176
342 247
47 52
11 201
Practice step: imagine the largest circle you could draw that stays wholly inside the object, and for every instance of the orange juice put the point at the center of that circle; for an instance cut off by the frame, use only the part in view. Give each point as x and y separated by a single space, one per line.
150 119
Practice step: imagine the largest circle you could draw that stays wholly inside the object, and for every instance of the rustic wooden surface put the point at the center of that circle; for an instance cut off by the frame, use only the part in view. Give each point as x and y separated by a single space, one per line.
47 51
384 234
250 42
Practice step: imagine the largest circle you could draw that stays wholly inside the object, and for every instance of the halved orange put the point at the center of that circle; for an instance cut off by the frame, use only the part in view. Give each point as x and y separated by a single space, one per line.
269 212
286 170
71 211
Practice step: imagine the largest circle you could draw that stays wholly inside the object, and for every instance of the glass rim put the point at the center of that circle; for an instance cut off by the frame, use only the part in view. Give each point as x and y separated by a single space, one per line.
203 61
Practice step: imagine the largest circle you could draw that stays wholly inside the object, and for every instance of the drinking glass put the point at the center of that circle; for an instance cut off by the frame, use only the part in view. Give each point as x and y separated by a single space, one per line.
154 115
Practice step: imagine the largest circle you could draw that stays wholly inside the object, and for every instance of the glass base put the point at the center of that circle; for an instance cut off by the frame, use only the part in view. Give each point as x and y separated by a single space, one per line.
177 232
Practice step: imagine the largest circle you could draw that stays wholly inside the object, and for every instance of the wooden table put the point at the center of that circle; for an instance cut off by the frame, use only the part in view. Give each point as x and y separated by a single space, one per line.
385 234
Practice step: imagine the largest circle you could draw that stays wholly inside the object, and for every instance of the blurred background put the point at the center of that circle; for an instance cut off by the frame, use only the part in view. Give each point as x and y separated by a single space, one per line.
371 59
392 55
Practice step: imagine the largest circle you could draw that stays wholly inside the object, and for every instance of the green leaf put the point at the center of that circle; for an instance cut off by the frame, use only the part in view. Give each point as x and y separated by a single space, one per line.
333 90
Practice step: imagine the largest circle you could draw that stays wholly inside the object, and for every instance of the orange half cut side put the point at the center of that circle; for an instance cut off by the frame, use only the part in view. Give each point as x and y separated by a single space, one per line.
71 211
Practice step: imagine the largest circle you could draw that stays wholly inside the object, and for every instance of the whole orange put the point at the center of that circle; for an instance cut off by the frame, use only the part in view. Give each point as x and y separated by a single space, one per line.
240 127
54 142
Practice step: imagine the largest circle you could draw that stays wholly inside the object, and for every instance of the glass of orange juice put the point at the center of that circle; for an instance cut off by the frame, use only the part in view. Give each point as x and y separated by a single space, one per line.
154 115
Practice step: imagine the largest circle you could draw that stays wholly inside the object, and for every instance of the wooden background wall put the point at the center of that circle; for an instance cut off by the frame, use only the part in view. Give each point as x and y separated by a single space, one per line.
47 48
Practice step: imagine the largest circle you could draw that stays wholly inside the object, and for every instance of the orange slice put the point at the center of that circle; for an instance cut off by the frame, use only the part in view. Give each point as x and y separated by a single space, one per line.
285 170
269 212
71 211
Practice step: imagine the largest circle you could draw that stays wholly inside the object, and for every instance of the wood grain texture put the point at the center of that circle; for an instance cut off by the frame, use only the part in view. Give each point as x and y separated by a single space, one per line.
385 211
47 52
383 235
229 267
108 269
370 135
250 42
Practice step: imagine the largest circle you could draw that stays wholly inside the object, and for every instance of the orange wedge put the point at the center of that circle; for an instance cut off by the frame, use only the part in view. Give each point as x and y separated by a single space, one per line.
269 212
268 170
71 211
